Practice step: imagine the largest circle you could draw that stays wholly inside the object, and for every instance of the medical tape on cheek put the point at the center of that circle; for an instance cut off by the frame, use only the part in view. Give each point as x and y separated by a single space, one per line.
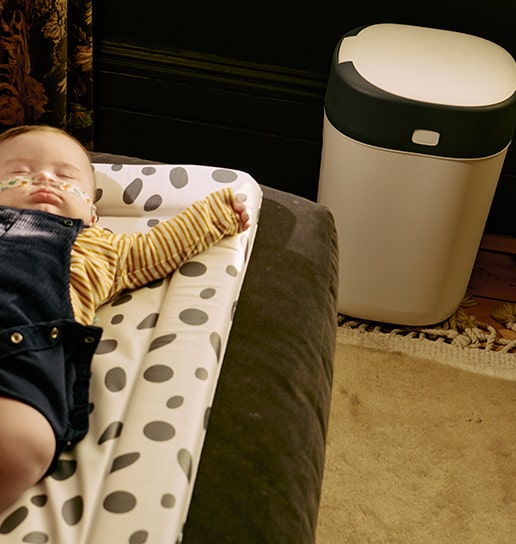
25 181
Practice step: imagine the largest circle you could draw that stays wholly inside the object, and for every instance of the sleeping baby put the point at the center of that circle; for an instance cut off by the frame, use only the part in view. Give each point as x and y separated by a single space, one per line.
57 267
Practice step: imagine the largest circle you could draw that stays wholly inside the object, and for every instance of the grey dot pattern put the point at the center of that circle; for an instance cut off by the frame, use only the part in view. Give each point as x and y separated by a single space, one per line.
153 376
65 469
116 379
193 316
112 431
123 461
158 373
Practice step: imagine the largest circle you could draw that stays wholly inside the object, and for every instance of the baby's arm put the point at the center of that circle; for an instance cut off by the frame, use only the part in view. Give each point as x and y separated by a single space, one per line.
154 255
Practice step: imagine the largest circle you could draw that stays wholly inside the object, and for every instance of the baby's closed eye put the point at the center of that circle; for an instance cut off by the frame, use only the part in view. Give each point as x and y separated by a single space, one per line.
65 175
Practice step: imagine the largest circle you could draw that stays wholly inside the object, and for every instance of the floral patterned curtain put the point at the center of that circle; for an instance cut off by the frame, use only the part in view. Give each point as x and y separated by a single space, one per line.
46 65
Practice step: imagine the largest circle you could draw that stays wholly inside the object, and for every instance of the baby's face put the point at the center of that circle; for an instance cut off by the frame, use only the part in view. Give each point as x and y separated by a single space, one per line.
50 159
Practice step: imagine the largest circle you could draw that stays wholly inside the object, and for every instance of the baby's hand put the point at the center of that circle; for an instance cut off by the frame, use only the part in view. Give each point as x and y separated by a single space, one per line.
241 209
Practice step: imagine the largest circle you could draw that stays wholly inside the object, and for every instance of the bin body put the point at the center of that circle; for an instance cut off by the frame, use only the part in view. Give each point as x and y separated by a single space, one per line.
410 164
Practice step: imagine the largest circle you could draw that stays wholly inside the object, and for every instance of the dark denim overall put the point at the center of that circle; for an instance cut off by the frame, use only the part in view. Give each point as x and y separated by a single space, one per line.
45 354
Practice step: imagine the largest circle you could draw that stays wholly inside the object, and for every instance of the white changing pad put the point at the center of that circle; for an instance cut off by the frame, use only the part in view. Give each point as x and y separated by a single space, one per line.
154 376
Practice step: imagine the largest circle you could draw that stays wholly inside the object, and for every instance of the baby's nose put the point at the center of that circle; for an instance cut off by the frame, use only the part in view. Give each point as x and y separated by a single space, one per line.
43 177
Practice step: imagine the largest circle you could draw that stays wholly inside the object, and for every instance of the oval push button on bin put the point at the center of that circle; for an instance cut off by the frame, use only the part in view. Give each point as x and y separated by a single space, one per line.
425 137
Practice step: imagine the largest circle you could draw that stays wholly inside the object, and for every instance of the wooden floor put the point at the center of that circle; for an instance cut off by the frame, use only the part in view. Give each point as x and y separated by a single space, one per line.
493 280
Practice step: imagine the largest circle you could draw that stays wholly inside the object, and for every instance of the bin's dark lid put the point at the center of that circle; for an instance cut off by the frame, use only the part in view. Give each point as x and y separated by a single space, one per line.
423 90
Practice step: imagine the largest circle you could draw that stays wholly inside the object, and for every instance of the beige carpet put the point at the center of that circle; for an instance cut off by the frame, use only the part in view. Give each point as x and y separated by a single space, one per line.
421 444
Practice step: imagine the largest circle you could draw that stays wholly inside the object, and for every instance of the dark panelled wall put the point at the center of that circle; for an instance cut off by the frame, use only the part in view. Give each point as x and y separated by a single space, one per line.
242 86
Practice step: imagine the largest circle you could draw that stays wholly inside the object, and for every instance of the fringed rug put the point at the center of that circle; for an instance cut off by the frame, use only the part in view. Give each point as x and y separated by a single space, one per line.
461 340
420 446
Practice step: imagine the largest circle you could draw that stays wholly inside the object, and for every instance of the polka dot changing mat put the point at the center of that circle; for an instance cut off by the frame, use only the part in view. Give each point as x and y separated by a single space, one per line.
154 376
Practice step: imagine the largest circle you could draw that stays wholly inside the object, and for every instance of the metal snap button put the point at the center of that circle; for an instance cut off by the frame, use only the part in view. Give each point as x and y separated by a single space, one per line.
54 333
68 223
16 337
89 339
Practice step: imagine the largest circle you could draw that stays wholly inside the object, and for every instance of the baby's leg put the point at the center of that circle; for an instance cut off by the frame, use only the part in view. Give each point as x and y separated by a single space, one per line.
27 447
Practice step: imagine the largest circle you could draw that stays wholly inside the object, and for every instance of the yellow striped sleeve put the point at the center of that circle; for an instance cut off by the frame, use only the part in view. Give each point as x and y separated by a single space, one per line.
104 264
169 244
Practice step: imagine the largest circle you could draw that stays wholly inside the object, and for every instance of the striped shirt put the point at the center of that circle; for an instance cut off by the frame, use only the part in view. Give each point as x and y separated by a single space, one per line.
104 264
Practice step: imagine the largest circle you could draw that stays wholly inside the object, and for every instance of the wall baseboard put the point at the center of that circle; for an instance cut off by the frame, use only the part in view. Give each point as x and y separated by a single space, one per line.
184 106
200 84
192 65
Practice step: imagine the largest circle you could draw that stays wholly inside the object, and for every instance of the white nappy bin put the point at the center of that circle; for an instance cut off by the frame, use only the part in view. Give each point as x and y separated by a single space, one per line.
417 125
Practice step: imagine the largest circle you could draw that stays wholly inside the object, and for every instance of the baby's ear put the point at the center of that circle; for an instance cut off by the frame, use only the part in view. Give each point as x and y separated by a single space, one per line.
94 216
